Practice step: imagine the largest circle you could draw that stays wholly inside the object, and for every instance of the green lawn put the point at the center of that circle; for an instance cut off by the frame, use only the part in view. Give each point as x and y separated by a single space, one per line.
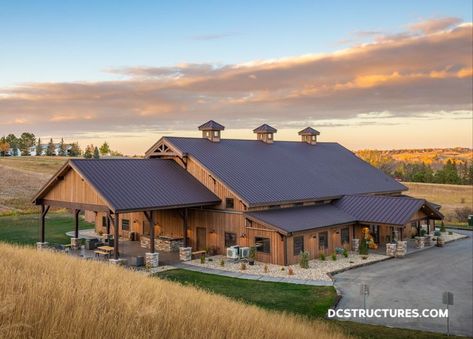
24 229
313 301
309 301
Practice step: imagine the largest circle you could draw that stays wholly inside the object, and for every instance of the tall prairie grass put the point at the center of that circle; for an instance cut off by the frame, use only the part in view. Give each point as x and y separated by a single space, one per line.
49 295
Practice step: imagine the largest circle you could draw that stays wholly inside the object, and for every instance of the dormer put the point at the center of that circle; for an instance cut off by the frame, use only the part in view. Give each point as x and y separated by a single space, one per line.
309 135
211 130
265 133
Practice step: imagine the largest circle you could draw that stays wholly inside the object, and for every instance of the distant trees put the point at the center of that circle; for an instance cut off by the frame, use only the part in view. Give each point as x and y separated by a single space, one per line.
13 141
25 142
39 148
75 150
4 146
51 149
89 152
96 153
62 148
104 149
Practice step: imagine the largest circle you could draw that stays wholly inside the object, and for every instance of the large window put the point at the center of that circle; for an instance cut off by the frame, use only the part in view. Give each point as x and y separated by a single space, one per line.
125 224
263 245
323 240
230 239
298 245
229 203
345 235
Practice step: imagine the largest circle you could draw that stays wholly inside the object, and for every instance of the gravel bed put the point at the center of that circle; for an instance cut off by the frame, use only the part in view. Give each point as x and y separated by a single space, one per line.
317 270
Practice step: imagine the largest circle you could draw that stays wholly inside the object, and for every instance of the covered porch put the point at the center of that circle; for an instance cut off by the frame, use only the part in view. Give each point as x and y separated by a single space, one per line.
119 188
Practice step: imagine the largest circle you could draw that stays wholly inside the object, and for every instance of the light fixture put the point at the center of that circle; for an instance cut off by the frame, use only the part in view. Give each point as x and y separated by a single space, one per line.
243 235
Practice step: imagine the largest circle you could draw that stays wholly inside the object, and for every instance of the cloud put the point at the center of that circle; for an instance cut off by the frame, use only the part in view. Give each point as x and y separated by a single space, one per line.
206 37
426 69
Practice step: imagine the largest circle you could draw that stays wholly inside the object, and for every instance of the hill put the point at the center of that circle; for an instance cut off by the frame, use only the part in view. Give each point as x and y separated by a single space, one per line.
49 295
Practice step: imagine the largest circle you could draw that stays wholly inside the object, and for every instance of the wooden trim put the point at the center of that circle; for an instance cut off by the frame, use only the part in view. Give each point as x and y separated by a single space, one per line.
74 205
59 173
261 229
115 236
170 207
274 228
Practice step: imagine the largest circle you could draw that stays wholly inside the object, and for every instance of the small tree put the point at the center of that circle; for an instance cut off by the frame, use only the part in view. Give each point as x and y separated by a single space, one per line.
363 246
104 149
89 152
51 149
96 153
39 148
75 150
4 146
62 148
26 141
304 259
13 141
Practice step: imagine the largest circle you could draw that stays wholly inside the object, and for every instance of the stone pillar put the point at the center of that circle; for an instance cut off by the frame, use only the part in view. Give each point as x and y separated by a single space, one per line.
401 248
391 250
42 245
152 262
355 243
75 243
420 242
185 253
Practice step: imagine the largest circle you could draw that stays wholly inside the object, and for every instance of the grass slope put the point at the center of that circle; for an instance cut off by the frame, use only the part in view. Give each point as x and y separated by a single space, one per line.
310 301
49 295
24 229
313 301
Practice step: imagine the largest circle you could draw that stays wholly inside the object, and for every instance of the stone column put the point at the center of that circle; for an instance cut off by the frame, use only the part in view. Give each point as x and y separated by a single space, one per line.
185 253
42 245
391 250
401 248
355 243
152 262
75 243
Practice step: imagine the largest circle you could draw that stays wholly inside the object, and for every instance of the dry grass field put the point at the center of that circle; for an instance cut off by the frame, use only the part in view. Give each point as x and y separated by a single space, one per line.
21 178
48 295
449 196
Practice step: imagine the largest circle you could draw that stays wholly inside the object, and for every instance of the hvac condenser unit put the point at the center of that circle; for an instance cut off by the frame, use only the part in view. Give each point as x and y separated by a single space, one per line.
244 252
233 252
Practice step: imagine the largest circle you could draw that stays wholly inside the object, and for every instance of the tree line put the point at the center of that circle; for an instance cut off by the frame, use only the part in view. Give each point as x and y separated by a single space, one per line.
26 142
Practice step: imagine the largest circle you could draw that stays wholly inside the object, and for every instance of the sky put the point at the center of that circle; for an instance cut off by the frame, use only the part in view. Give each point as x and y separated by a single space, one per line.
366 74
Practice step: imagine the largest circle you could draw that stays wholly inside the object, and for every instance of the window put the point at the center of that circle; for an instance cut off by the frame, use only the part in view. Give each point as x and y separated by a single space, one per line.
229 203
263 245
298 245
270 136
104 221
215 133
323 240
345 235
230 239
125 224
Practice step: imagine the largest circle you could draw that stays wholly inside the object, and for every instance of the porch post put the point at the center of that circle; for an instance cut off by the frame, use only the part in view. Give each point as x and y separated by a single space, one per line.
108 223
76 223
115 237
400 232
185 220
151 232
44 211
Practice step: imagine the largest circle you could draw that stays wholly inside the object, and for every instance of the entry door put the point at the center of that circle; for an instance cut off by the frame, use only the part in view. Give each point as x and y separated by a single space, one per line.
201 238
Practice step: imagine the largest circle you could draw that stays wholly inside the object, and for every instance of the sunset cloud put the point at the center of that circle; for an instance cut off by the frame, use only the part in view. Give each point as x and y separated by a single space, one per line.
428 68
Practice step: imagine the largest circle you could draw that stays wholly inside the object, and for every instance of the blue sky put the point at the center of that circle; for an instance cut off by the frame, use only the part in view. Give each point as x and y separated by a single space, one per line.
78 40
368 74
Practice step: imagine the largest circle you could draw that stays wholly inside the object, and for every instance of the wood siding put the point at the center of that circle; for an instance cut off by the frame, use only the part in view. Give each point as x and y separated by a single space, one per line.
72 188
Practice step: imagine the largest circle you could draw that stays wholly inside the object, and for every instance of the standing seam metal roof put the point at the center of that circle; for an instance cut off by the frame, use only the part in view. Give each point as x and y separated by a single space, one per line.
286 171
140 184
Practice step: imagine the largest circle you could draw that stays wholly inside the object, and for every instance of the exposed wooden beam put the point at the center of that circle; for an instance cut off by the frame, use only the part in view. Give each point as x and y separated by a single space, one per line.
115 237
75 205
44 211
185 225
76 223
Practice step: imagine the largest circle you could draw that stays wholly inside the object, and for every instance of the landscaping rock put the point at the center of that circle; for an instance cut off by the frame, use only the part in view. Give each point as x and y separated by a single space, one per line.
391 250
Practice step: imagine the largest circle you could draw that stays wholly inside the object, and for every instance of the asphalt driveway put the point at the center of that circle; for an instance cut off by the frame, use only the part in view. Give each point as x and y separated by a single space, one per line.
416 281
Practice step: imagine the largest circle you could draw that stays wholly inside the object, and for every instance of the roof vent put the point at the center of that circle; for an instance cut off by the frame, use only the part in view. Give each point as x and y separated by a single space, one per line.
265 133
211 130
309 135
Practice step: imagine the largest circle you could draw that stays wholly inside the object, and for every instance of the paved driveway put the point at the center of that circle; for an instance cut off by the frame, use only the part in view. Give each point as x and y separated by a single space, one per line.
417 281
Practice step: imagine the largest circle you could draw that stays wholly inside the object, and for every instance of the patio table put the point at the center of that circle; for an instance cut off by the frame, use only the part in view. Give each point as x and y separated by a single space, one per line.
108 249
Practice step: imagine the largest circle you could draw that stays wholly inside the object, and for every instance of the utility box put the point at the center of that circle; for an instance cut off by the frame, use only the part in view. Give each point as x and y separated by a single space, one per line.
470 220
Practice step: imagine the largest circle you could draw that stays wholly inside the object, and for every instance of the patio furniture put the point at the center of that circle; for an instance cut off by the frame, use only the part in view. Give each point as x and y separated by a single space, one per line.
91 244
198 253
98 253
108 249
136 261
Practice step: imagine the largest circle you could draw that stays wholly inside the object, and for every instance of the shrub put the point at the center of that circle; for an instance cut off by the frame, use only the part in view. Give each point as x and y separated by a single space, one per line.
345 253
304 259
283 269
202 259
423 232
266 269
222 262
363 247
461 214
322 256
252 254
437 233
290 271
334 256
242 266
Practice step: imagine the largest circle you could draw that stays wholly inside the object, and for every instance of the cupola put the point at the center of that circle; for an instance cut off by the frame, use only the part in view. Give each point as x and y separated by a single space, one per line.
211 130
309 135
265 133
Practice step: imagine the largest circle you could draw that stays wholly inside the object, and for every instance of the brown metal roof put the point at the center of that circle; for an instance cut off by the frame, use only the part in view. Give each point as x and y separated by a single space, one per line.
265 128
385 209
287 171
142 184
309 131
211 126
